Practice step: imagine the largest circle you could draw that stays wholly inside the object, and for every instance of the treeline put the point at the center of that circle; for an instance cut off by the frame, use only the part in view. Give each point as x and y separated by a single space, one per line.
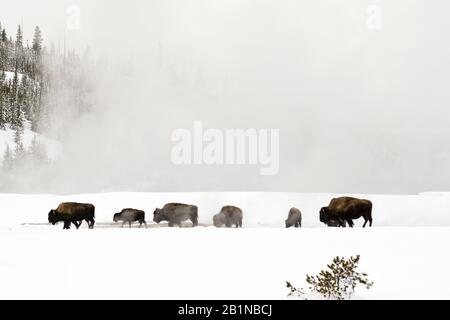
20 80
37 85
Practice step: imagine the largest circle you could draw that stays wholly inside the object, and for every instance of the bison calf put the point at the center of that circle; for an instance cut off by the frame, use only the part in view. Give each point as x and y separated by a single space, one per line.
130 215
72 212
176 213
294 218
228 216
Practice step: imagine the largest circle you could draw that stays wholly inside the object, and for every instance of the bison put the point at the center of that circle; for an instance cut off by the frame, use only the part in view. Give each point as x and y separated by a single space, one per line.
336 223
228 216
176 213
72 212
294 218
130 215
346 209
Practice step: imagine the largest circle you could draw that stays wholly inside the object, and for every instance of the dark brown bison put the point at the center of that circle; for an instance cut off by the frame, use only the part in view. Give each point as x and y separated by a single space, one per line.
130 215
176 213
346 209
228 216
336 223
294 218
72 212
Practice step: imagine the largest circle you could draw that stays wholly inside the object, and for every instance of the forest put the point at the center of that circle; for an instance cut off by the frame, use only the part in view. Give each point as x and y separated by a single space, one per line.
36 83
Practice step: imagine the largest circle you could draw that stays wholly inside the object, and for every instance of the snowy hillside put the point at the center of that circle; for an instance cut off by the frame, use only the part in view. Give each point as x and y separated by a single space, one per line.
7 138
7 135
9 76
405 253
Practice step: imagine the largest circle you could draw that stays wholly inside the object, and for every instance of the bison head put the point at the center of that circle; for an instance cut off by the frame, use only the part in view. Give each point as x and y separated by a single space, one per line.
158 215
324 215
116 217
288 223
217 221
53 217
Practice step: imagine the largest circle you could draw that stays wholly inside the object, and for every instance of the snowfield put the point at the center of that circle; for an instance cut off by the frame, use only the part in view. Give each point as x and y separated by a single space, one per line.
405 253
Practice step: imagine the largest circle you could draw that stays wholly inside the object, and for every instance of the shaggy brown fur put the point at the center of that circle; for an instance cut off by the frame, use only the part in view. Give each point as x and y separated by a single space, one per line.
228 216
294 218
72 212
130 215
346 209
176 213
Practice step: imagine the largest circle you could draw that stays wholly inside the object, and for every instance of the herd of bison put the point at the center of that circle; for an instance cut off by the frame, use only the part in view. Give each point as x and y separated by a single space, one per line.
340 212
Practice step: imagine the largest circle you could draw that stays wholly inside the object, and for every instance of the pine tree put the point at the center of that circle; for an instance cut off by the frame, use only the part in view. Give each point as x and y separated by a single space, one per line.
8 159
14 107
37 151
2 111
22 97
3 100
19 152
3 50
19 38
37 41
19 57
17 136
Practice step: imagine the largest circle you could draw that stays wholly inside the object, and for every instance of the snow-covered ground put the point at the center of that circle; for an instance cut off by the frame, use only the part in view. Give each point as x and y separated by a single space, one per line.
9 76
405 253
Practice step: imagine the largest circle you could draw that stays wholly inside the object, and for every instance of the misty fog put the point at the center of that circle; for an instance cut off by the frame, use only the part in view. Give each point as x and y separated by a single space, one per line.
359 110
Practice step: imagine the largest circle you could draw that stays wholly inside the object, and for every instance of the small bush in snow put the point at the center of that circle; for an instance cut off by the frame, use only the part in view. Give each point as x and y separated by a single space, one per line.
339 280
293 291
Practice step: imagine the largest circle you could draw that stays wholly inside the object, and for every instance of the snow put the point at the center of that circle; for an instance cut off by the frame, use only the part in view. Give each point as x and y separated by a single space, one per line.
9 76
405 253
52 147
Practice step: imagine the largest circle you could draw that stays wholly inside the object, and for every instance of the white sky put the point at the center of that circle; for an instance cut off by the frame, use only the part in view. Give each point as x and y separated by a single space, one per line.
353 104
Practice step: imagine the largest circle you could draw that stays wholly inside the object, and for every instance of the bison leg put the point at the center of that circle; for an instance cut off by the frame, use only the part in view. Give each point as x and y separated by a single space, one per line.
129 224
350 223
142 222
369 219
76 224
194 222
91 224
343 223
66 225
123 222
